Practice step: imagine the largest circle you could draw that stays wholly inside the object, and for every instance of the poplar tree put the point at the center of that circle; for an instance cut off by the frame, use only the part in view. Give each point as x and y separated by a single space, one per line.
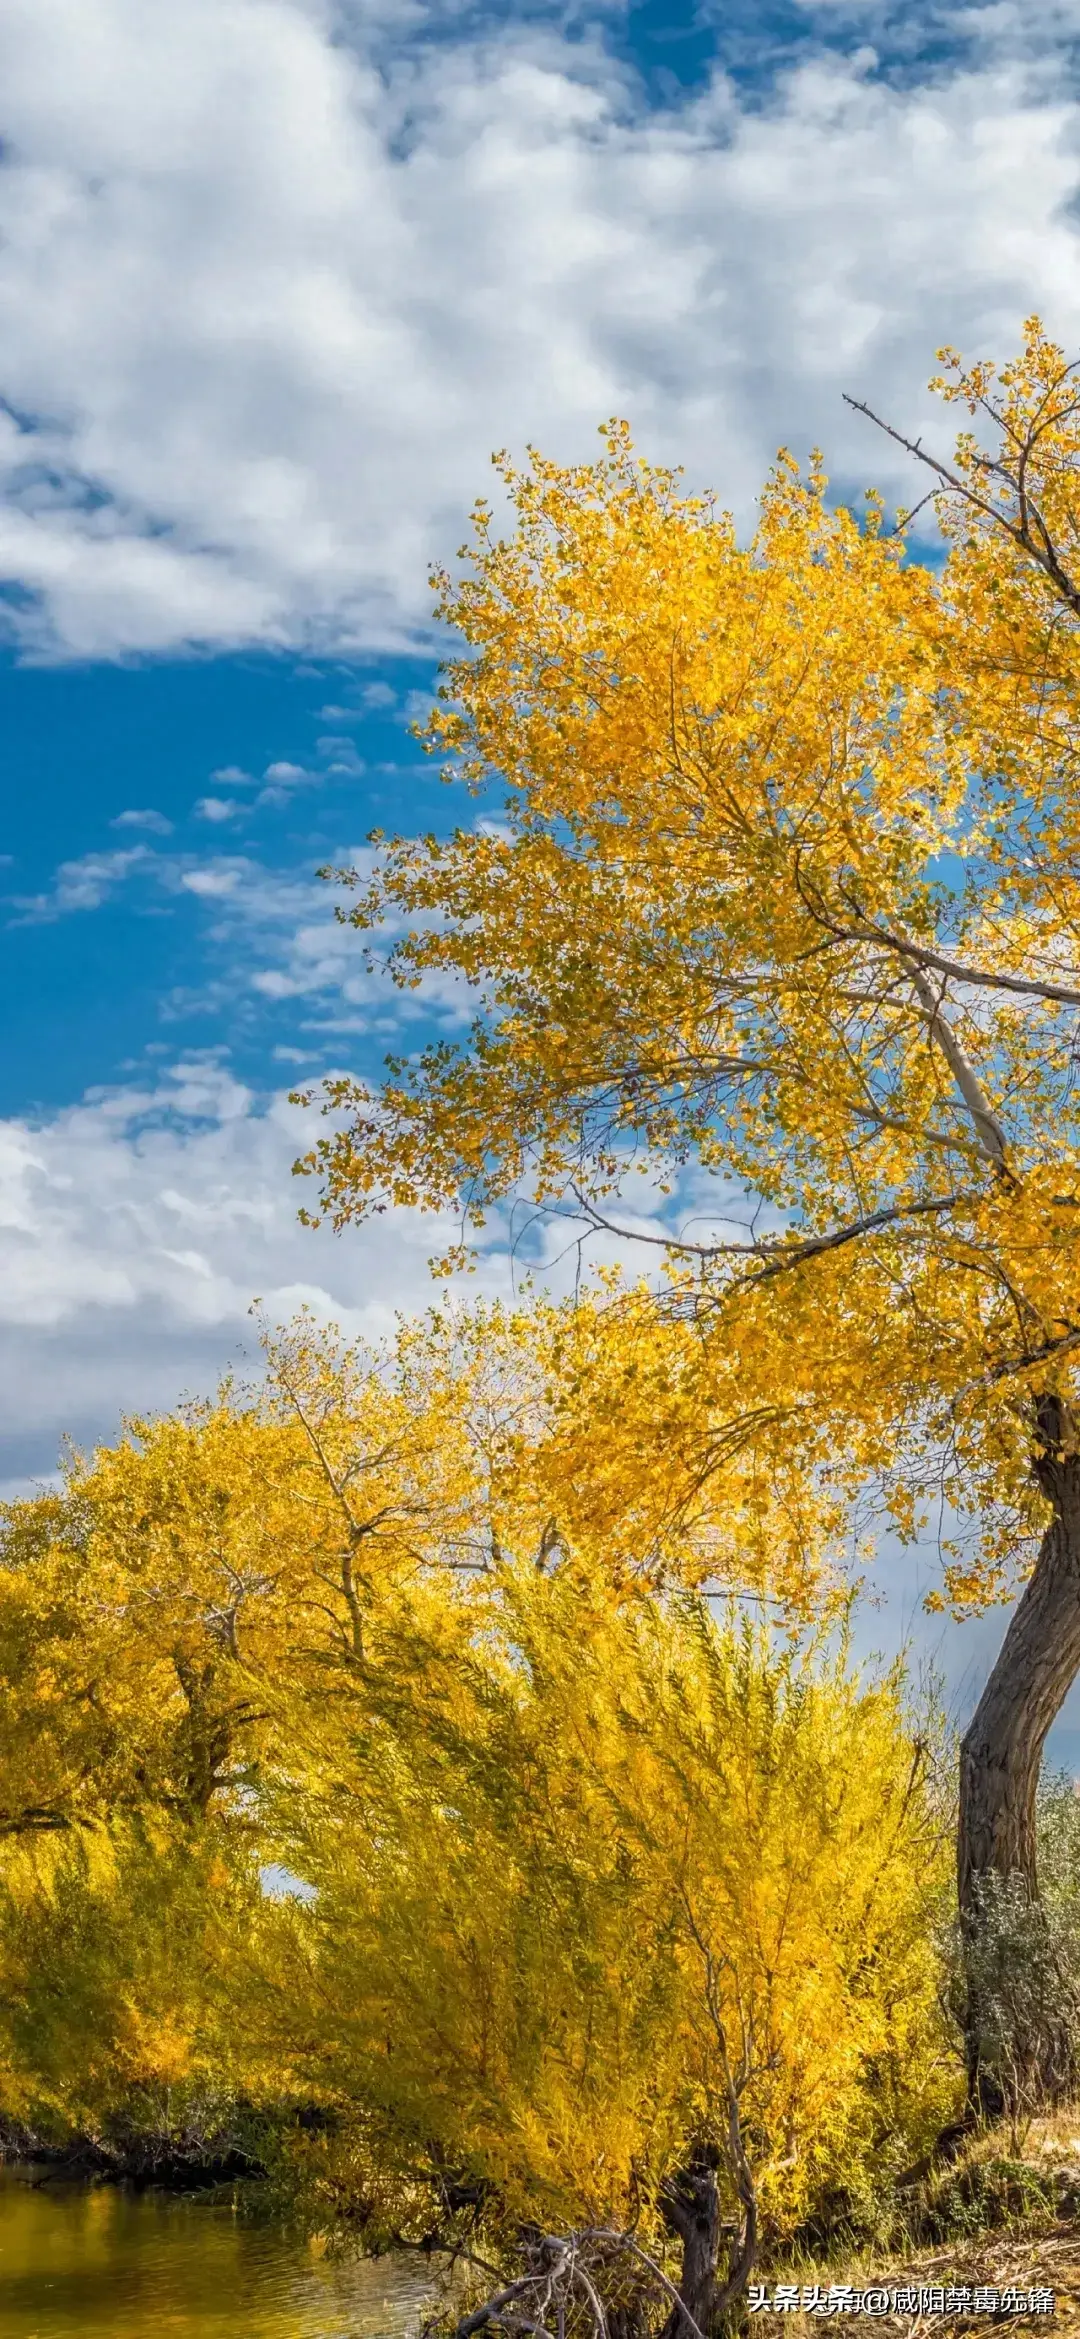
780 899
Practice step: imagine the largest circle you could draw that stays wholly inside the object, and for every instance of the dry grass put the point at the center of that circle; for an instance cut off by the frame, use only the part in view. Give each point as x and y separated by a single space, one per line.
1032 2180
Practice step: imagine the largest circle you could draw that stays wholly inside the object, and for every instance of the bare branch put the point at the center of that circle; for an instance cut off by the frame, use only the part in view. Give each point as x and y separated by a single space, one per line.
980 978
1030 532
784 1252
984 1120
491 2311
792 1255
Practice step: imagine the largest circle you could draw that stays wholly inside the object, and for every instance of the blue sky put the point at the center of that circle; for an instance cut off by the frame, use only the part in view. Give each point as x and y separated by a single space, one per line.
276 277
189 802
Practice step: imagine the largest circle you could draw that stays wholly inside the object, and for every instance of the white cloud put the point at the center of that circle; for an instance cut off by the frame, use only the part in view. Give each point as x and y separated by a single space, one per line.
84 884
278 785
138 1225
270 292
268 931
339 755
136 1228
219 809
214 883
278 935
154 823
286 775
271 932
91 881
281 780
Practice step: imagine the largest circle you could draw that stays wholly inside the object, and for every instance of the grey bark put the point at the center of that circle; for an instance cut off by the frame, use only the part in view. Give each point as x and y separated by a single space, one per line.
691 2206
1001 1753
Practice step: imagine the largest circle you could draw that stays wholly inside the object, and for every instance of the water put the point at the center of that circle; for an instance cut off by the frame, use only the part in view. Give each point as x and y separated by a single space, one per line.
96 2262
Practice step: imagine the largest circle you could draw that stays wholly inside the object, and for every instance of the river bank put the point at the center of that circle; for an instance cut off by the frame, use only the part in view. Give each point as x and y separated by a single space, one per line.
169 2162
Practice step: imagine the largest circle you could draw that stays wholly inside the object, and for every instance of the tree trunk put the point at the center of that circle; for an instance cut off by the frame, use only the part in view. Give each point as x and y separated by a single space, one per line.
691 2206
1001 1751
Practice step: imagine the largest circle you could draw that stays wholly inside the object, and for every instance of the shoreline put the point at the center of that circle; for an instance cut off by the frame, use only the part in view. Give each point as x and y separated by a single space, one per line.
153 2163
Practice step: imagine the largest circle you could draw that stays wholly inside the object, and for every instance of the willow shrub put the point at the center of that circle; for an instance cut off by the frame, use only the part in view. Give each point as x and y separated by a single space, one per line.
115 1945
574 1860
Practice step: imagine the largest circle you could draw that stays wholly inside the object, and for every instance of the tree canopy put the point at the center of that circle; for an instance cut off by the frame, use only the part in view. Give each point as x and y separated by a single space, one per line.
776 891
781 884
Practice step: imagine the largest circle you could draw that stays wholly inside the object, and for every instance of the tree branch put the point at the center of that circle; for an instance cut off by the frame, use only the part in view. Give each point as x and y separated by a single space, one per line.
783 1253
981 978
1042 551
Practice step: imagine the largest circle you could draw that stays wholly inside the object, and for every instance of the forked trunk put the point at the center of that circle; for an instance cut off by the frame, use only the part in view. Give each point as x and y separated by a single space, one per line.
691 2206
1001 1752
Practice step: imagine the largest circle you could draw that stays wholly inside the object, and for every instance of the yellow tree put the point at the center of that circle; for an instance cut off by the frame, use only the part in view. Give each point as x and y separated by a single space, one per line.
118 1944
163 1613
783 888
155 1610
72 1689
168 1619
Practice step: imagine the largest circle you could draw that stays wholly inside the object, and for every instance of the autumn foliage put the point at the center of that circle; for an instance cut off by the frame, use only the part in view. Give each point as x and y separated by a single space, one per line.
581 1854
480 1712
593 1857
776 897
782 888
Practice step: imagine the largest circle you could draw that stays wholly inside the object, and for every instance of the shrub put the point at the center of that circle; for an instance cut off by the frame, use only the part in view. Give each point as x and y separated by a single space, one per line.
575 1861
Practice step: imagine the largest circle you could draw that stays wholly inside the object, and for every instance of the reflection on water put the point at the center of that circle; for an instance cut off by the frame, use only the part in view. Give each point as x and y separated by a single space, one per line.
95 2262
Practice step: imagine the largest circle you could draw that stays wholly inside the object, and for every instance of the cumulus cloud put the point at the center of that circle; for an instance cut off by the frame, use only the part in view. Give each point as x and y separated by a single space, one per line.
137 1226
84 884
154 823
219 809
275 278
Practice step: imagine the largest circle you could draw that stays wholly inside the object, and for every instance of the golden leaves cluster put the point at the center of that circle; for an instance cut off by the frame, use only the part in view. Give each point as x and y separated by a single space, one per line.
776 895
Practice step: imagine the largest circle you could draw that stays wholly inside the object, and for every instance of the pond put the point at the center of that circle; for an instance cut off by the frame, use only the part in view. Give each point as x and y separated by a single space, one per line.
101 2262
